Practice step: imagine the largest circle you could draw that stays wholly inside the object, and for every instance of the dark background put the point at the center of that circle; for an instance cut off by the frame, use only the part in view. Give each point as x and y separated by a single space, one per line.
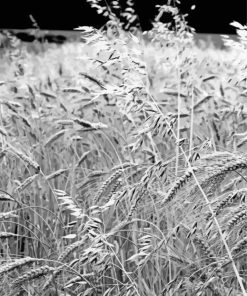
209 16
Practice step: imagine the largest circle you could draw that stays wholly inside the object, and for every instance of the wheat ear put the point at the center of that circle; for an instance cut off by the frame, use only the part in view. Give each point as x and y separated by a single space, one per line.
16 264
178 185
227 200
26 159
240 245
205 249
54 137
26 183
71 248
110 182
33 274
221 168
137 195
72 281
54 274
237 218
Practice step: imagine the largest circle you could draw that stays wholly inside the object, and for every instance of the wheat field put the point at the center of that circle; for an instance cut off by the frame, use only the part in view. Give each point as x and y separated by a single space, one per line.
123 166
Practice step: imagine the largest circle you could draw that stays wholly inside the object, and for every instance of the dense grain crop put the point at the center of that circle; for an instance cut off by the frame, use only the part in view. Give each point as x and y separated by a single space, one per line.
123 166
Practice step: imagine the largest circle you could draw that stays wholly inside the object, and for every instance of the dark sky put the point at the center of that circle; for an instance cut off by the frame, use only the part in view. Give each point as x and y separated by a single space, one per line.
67 15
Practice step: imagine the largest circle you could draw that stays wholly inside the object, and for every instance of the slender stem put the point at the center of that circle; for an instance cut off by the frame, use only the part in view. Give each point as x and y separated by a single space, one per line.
179 121
191 123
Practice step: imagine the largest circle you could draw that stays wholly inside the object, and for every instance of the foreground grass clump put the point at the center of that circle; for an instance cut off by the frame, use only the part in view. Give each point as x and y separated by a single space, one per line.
123 168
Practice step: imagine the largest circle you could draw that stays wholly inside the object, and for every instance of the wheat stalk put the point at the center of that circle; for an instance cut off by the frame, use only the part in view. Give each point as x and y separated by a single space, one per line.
5 235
